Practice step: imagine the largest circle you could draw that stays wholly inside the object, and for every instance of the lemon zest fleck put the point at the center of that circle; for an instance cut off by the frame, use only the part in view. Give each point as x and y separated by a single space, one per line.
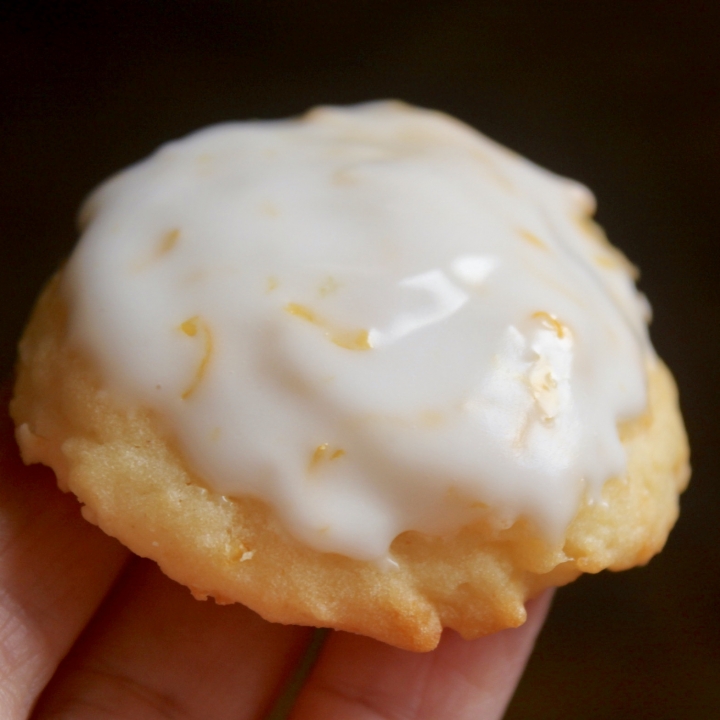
353 340
301 311
318 455
191 328
551 322
533 239
168 242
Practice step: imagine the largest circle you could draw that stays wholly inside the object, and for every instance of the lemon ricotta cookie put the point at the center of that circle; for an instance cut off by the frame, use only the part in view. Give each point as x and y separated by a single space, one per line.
364 369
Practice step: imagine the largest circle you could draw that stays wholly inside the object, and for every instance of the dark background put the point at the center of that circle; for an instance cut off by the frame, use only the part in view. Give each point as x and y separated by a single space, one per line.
622 96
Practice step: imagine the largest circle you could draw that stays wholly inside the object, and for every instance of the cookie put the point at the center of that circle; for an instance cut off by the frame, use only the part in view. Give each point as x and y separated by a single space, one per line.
365 369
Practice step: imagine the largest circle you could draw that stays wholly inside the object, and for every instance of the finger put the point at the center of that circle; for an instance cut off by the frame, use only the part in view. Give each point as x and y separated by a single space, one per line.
55 569
361 679
154 652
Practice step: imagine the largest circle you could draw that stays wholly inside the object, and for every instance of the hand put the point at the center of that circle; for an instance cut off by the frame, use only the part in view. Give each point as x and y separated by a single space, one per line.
89 631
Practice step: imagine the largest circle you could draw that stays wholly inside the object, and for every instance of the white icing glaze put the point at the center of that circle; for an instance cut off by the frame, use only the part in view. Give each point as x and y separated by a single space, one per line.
374 318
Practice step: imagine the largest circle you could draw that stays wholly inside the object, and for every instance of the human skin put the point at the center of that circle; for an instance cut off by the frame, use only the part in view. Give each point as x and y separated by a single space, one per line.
89 631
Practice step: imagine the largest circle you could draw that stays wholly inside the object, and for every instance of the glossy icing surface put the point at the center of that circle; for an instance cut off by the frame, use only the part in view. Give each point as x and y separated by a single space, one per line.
373 318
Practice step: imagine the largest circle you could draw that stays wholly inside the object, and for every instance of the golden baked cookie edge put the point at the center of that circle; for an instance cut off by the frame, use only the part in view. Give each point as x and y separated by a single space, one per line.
130 475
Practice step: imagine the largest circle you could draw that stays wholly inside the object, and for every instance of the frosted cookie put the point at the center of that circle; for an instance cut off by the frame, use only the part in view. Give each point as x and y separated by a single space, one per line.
364 369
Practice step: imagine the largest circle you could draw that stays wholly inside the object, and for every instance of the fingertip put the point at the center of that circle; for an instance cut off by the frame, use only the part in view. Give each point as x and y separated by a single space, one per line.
362 679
